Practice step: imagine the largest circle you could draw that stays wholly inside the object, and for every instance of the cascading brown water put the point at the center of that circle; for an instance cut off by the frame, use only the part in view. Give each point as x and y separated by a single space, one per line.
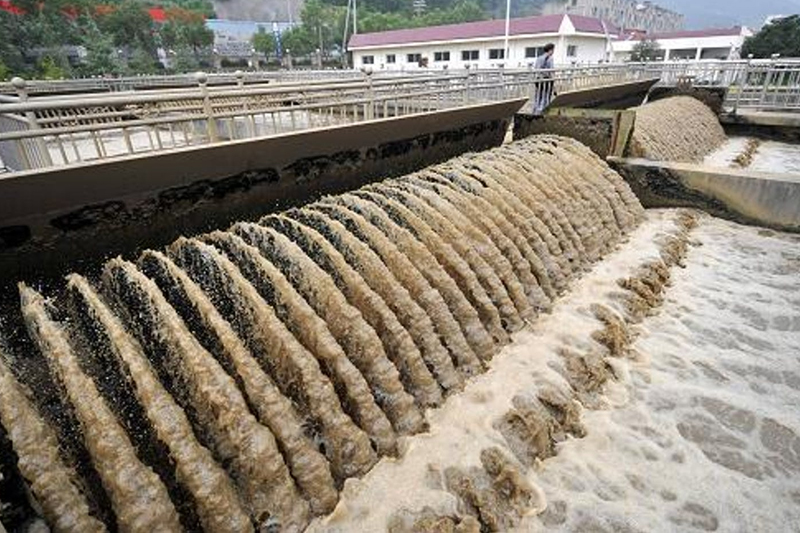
271 362
274 410
138 496
52 482
215 496
680 128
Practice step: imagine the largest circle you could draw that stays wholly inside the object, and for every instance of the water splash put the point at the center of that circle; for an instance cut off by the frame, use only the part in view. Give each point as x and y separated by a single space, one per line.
275 360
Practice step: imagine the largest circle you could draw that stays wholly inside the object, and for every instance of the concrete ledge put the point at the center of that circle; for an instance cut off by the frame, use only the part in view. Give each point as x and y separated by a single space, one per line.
615 96
783 127
760 198
762 118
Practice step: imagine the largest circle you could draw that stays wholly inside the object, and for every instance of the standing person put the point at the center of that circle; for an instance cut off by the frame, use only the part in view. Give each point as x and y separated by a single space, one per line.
544 88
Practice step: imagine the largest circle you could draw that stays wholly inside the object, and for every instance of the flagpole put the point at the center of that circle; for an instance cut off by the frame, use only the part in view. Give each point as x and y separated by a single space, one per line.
508 24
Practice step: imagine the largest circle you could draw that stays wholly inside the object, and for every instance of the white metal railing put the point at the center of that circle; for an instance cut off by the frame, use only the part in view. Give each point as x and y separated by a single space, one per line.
67 129
131 83
39 131
757 85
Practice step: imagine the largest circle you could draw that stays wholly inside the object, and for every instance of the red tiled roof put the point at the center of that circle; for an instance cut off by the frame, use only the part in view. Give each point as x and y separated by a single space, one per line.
477 30
688 34
592 25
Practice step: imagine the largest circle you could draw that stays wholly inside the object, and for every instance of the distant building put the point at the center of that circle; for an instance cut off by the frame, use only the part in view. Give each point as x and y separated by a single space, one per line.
628 14
578 40
232 38
725 43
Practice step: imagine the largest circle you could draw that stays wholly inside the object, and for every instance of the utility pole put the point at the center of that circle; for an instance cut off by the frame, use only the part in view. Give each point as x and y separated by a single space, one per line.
355 16
344 36
508 25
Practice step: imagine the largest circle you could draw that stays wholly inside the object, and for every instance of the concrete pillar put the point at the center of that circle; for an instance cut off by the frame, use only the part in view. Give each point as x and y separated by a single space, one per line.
666 54
562 49
699 54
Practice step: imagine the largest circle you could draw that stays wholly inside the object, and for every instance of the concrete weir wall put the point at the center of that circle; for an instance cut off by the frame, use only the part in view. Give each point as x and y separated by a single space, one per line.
82 213
591 116
595 131
750 197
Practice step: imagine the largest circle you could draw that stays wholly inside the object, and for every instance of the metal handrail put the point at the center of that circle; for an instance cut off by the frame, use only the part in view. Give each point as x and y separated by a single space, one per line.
39 131
99 126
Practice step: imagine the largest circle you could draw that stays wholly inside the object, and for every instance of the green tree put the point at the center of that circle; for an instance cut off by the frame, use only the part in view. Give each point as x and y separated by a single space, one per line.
101 56
141 61
780 37
50 70
130 26
4 71
264 43
11 51
185 60
298 40
645 50
197 37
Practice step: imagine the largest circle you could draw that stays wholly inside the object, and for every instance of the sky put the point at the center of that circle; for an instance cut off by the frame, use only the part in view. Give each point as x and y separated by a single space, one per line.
721 13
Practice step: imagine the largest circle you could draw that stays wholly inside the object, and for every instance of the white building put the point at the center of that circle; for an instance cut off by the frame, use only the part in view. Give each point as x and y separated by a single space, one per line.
578 40
716 44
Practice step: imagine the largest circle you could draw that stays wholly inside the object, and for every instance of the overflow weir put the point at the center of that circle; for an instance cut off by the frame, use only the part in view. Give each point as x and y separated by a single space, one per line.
240 377
421 341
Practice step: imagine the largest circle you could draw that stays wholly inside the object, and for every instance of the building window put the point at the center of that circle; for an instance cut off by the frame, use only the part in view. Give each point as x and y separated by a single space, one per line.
572 51
441 56
413 58
497 53
469 55
534 51
390 58
368 60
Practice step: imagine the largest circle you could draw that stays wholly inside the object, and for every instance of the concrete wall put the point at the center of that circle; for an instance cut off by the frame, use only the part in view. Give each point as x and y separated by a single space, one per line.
595 132
588 115
66 217
749 197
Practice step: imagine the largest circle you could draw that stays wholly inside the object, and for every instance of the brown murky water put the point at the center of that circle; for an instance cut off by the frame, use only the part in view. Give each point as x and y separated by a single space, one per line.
265 365
680 128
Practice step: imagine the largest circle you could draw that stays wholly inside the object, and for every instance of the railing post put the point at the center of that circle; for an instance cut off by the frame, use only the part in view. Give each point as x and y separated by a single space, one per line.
20 85
742 86
248 118
468 87
370 114
211 124
765 89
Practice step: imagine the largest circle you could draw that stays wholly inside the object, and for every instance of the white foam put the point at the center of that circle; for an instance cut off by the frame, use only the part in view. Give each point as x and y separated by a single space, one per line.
697 447
701 432
770 156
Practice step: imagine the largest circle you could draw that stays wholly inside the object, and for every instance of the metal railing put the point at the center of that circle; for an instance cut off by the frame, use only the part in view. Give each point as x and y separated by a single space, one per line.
755 85
63 130
39 131
133 83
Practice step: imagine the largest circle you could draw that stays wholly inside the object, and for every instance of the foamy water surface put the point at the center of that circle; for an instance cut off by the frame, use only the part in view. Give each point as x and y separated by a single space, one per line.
699 432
